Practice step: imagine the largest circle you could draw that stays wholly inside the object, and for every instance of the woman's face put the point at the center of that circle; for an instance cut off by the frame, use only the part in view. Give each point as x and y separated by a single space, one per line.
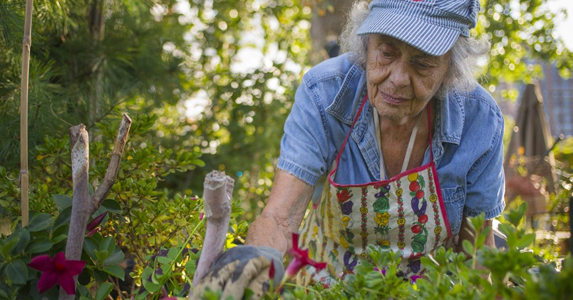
401 79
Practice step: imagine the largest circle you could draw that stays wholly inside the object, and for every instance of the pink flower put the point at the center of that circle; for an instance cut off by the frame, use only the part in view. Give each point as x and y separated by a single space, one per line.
57 270
300 259
201 216
93 226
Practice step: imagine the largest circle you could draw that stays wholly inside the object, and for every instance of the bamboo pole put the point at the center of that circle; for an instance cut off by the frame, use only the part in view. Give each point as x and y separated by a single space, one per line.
26 45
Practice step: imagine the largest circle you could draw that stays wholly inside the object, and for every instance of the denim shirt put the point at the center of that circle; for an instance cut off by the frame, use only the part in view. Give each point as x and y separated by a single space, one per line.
467 141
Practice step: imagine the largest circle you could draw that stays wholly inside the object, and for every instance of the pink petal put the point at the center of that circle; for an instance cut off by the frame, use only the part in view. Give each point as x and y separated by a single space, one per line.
74 267
201 216
94 231
96 222
42 263
295 241
67 282
293 267
60 258
317 265
47 281
300 259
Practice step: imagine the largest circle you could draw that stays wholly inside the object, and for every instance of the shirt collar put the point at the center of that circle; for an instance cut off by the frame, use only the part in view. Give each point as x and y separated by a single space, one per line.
450 119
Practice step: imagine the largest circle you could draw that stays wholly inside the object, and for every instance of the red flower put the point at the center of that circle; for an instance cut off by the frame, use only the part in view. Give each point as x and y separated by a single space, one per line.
57 270
272 270
343 195
300 259
93 226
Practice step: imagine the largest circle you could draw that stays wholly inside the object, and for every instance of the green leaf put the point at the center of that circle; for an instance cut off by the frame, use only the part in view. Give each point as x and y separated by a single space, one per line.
108 244
15 243
59 238
112 206
149 285
23 237
468 247
164 260
191 267
90 246
173 253
39 222
8 246
62 202
115 271
198 162
115 258
39 245
63 218
100 276
17 272
101 255
514 216
526 240
103 290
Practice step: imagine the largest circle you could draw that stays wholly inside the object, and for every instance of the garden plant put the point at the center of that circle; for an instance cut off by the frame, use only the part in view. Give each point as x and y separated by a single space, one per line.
91 61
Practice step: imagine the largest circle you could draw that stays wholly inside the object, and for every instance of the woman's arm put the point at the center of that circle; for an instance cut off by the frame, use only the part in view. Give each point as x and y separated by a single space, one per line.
283 213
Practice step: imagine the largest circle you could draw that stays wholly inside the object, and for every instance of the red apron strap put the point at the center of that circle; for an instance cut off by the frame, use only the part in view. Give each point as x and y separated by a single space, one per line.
346 139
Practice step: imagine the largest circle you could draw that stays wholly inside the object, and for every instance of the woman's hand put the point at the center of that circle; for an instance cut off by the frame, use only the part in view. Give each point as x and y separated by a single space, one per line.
241 268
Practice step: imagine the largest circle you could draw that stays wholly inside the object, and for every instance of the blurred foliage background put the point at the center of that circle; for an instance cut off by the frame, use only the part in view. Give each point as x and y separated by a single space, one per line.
209 84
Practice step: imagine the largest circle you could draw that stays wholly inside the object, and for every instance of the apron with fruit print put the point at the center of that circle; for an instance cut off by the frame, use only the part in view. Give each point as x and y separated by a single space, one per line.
405 214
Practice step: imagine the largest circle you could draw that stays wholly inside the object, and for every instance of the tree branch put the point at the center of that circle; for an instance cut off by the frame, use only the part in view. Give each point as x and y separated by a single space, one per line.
113 167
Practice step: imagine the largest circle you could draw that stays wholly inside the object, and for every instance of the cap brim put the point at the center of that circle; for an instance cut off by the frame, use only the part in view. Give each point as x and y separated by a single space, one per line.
430 38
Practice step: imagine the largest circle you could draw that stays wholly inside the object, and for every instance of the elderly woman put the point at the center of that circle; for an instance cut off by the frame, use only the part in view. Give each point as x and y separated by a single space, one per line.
410 143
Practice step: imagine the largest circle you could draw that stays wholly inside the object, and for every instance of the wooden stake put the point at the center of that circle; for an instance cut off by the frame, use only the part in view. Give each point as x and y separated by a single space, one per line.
26 45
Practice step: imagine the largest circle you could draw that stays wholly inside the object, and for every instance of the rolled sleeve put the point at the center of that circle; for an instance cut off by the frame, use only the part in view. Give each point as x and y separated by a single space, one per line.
304 146
486 180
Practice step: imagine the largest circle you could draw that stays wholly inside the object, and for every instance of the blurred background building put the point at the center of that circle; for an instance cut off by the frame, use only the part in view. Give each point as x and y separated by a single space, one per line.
557 101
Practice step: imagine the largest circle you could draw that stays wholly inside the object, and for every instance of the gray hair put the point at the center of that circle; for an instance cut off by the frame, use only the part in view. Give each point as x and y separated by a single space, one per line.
464 54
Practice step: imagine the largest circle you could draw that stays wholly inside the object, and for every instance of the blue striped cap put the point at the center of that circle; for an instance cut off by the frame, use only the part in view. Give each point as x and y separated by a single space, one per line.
432 26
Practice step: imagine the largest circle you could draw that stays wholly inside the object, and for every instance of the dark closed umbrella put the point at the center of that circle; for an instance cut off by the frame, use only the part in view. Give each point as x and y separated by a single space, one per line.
528 148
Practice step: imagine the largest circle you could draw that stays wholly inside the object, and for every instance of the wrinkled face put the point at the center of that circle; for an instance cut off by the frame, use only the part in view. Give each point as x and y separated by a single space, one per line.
401 79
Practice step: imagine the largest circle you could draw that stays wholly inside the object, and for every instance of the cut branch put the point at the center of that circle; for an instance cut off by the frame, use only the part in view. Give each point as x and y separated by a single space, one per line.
81 204
218 189
113 167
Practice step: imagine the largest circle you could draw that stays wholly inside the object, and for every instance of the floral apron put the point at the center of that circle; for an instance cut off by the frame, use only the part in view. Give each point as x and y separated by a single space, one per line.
405 213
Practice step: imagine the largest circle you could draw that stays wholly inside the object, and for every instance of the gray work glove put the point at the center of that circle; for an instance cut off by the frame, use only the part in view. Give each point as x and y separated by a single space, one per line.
241 268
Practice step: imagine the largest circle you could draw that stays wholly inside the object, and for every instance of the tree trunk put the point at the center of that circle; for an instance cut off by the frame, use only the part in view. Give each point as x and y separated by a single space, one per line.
328 20
97 28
